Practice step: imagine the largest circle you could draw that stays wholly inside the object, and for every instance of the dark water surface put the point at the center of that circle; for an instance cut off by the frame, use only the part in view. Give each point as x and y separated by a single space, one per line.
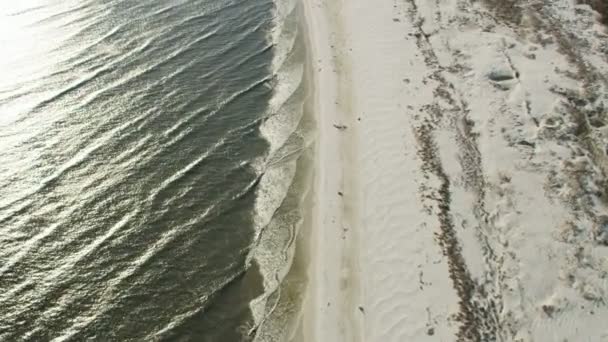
130 153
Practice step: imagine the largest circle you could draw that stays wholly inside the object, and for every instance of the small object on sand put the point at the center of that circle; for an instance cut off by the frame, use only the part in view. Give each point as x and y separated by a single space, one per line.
340 127
526 143
601 230
549 310
430 332
362 310
501 75
396 20
340 193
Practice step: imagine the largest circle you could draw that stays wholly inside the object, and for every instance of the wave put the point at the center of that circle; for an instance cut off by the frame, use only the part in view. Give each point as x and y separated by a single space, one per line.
52 282
136 160
284 186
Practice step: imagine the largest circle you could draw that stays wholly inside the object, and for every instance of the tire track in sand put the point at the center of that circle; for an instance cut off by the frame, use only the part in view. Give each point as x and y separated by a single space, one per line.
478 309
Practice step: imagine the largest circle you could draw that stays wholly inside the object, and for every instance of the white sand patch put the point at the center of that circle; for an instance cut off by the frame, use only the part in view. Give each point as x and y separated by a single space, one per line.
471 162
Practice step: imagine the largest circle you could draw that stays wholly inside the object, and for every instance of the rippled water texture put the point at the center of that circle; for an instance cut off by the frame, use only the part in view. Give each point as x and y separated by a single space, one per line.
129 139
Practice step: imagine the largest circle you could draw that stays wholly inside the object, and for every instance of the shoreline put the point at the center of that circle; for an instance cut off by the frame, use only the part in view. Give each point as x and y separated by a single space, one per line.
328 311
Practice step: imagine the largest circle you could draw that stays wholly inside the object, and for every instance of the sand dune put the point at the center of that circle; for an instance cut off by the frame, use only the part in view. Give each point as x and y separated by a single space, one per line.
460 192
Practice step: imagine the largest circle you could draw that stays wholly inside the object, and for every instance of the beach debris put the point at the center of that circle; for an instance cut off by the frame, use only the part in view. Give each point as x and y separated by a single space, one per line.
362 310
396 20
430 332
340 127
548 310
420 280
344 231
601 230
340 193
501 75
526 143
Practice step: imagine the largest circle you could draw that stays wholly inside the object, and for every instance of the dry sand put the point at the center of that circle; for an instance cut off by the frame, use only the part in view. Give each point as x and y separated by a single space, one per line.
460 192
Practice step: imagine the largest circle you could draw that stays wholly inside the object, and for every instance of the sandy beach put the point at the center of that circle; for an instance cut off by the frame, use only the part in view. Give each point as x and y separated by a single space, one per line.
460 189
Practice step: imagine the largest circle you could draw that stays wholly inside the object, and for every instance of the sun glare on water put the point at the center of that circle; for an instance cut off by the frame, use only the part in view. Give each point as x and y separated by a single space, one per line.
29 43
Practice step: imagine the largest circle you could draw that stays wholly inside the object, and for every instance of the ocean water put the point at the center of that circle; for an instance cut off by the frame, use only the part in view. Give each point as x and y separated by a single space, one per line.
153 168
